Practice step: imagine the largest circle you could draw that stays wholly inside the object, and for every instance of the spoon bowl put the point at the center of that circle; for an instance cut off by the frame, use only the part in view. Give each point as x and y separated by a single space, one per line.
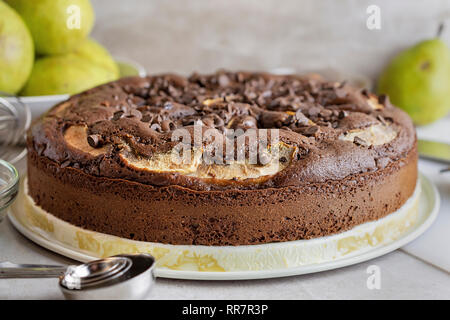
128 276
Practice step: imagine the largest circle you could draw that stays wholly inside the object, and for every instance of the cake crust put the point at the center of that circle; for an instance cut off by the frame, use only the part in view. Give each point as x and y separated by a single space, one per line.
354 159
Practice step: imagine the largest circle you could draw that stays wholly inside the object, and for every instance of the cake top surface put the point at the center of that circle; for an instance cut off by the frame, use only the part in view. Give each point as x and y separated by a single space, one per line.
129 129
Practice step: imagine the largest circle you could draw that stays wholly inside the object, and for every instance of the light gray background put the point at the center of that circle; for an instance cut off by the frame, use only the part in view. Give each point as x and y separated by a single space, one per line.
203 35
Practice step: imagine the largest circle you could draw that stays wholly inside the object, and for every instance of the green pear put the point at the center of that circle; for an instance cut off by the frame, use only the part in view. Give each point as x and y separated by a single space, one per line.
94 52
418 81
69 73
16 50
57 26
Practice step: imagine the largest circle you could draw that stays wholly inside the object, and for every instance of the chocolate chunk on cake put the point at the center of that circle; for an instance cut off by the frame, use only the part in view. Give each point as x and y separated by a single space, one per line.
103 159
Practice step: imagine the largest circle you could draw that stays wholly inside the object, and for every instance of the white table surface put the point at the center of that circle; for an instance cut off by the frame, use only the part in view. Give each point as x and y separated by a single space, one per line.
418 271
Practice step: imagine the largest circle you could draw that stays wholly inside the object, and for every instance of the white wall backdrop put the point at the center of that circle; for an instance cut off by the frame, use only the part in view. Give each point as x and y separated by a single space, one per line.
203 35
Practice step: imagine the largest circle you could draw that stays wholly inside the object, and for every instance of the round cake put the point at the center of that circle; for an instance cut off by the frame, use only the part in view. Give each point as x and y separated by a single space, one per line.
103 159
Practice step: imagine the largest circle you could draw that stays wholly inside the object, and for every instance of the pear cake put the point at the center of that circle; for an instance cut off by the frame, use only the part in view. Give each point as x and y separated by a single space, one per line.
100 160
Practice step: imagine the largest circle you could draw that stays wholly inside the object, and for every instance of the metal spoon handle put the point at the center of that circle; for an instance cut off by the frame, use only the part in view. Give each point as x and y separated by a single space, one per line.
12 270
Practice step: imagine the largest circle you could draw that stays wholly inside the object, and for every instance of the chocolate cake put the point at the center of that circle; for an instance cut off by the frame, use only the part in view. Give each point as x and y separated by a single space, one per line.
101 160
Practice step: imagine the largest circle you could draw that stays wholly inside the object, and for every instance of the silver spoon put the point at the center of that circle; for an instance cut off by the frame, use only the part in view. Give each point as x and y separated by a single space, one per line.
117 277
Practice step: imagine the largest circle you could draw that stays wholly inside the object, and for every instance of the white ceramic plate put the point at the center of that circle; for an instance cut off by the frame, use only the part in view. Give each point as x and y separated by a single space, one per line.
428 208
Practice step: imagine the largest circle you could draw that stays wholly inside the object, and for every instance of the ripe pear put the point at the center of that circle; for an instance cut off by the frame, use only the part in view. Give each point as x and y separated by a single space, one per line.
58 26
69 73
94 52
16 50
418 81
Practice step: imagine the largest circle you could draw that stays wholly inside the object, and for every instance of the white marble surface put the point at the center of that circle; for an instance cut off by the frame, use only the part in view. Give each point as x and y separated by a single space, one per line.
402 277
204 35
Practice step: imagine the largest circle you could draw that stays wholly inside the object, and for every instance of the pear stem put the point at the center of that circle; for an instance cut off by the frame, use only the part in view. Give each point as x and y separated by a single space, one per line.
440 30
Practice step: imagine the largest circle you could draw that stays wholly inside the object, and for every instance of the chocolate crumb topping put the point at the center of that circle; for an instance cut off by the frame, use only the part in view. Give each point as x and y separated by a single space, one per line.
94 140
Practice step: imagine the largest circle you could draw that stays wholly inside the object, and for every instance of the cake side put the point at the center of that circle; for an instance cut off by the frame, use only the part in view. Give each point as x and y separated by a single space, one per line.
177 215
275 256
